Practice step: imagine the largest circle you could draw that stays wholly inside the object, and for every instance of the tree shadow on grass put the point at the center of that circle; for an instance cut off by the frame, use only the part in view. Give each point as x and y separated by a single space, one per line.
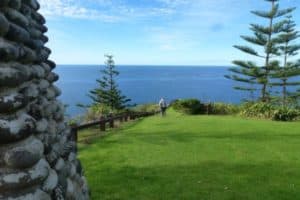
94 135
162 137
206 180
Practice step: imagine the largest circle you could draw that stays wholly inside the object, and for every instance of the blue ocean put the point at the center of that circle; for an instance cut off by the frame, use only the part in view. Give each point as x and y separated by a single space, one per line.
147 84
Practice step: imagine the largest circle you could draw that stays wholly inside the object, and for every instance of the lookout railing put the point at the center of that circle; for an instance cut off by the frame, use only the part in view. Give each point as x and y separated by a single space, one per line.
109 121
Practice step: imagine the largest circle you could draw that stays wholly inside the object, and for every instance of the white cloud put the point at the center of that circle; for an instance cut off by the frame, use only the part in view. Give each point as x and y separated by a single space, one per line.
72 9
175 3
196 19
102 10
119 10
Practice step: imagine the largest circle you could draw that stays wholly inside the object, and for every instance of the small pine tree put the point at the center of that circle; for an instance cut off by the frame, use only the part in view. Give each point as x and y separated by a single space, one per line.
289 69
107 94
249 73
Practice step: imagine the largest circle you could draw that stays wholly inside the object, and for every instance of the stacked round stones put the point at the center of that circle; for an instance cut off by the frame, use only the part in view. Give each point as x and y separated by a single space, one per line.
37 153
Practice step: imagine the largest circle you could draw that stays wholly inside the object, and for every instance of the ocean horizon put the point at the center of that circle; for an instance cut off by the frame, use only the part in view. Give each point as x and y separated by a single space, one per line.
148 83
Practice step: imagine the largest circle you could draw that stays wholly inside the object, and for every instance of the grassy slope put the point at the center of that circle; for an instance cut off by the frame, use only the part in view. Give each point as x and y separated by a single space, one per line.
195 157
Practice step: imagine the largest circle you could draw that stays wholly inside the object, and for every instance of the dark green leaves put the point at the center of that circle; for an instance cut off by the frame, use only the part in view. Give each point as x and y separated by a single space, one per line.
107 93
248 50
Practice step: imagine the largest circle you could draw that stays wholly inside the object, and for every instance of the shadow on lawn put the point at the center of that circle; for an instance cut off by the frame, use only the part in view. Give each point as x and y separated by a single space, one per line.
206 180
126 136
95 135
163 137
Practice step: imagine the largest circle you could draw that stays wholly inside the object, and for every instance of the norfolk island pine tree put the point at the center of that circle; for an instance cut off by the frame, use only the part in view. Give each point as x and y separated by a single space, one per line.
290 68
107 93
265 37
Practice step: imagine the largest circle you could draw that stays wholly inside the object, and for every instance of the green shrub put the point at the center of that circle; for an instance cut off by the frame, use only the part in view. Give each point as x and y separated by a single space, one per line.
285 114
223 109
194 106
96 111
269 111
258 110
73 122
188 106
145 108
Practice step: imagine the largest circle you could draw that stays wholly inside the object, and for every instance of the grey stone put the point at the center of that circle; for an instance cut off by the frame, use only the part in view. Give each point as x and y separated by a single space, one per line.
40 27
52 77
28 55
25 155
16 4
19 179
4 25
12 102
31 91
26 10
44 53
32 3
51 64
8 50
51 182
11 76
51 93
41 125
17 33
16 17
35 195
4 3
16 129
46 67
38 71
34 33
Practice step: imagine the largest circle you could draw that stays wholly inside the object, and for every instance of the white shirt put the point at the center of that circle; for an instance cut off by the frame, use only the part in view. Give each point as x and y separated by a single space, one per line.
162 103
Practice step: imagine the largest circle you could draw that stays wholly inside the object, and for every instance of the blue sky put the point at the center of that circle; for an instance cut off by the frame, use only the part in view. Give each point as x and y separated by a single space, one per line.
153 32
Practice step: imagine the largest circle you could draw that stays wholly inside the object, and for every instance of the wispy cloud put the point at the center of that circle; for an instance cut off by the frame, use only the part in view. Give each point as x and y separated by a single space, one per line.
73 9
196 18
102 10
175 3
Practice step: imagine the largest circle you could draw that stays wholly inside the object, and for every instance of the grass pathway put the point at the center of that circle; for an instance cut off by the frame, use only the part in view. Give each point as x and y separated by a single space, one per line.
195 157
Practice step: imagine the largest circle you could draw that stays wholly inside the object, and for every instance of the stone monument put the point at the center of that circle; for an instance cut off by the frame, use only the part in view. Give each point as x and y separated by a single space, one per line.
37 151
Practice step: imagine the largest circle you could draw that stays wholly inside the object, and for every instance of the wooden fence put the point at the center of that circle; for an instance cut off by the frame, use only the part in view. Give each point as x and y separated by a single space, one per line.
110 121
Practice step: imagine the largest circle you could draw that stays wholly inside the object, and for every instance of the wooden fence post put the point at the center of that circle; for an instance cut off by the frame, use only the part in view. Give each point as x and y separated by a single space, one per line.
126 117
74 133
102 124
121 118
111 121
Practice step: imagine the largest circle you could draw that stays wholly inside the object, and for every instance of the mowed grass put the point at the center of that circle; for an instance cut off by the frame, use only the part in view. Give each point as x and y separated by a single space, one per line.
195 158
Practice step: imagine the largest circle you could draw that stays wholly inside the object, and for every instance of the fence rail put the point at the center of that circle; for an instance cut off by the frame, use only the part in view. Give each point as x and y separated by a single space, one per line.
110 120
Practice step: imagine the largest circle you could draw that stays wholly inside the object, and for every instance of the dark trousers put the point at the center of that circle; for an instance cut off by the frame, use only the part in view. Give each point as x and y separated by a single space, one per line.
163 111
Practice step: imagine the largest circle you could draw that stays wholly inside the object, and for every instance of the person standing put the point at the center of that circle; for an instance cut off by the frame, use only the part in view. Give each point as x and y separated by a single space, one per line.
163 107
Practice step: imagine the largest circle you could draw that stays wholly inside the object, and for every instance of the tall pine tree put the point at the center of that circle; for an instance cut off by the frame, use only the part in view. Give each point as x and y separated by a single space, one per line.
289 69
252 75
107 93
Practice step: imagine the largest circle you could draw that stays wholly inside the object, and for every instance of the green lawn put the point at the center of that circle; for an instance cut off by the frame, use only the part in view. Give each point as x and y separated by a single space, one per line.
194 158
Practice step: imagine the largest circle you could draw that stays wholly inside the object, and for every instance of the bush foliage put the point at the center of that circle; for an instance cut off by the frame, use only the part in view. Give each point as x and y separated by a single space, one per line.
269 111
188 106
223 109
257 110
145 108
194 106
251 109
285 114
